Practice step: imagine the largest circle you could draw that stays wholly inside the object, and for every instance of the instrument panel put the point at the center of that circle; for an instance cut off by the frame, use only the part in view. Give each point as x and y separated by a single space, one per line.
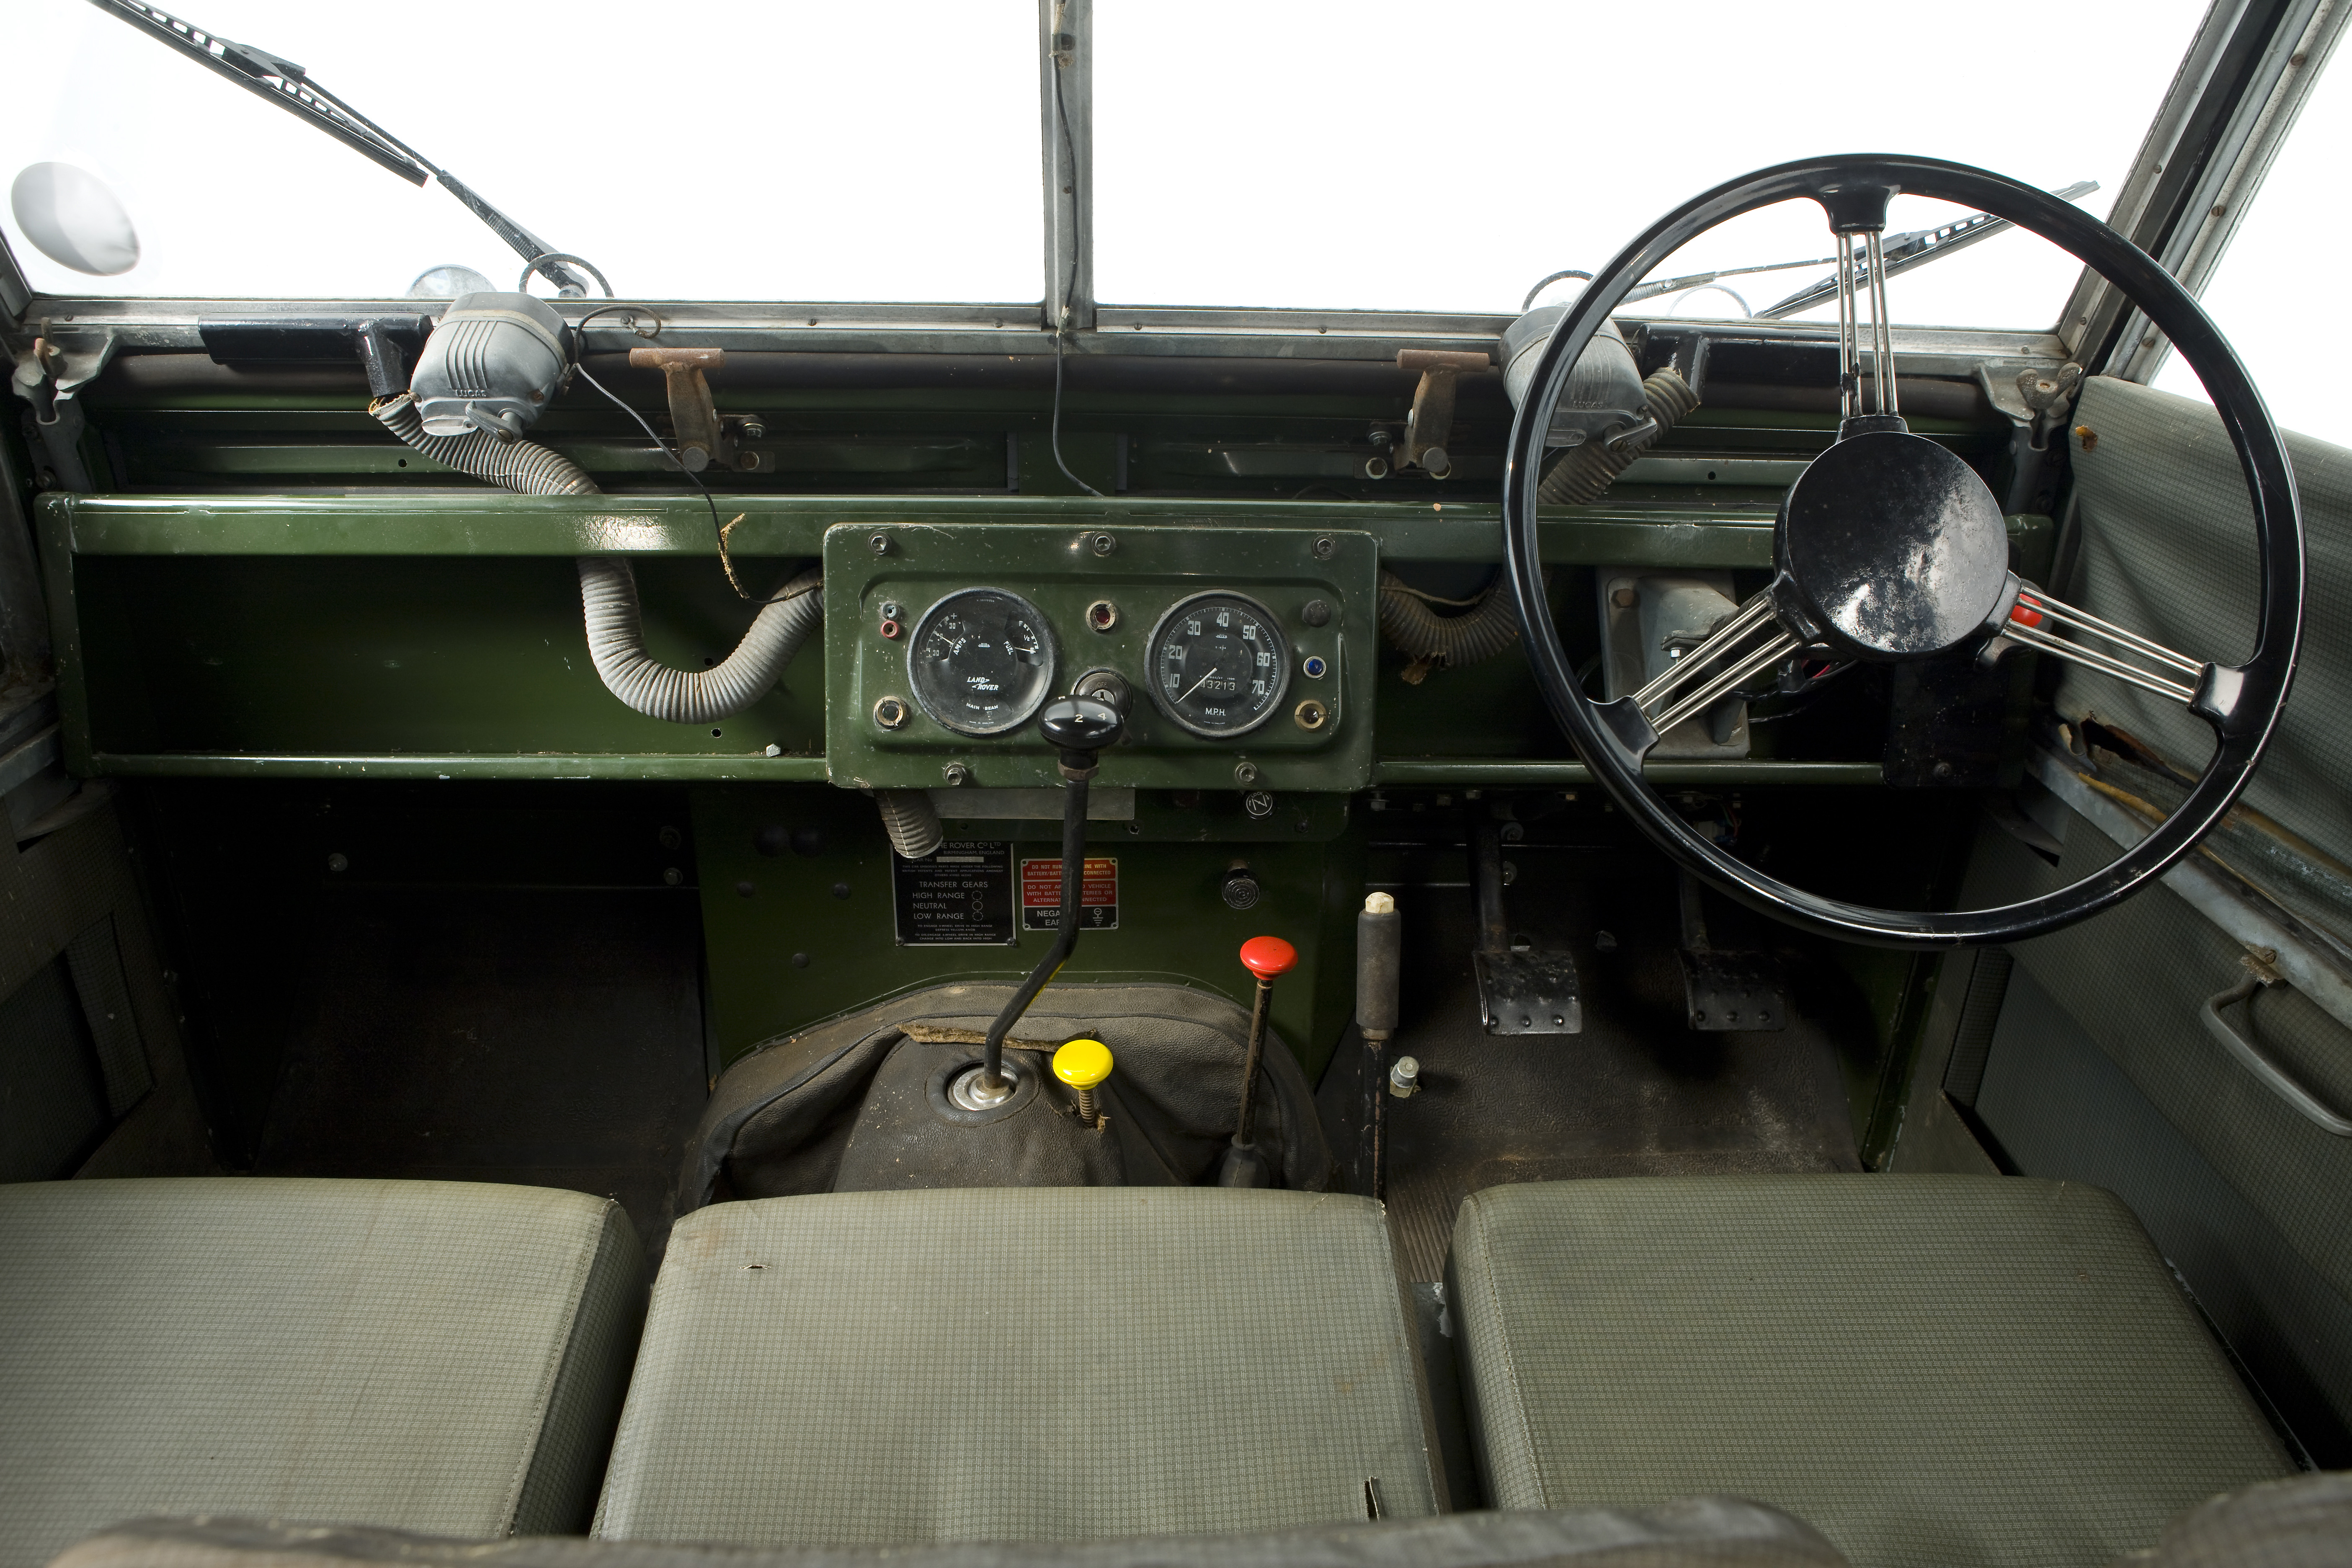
1244 657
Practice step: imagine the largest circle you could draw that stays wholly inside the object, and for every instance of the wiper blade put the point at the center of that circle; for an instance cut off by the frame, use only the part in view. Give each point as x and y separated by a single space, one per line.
289 86
1917 248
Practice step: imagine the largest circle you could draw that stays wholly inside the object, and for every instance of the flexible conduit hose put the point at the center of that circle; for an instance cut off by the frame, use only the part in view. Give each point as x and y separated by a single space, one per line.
1579 478
911 821
1486 629
608 590
1429 638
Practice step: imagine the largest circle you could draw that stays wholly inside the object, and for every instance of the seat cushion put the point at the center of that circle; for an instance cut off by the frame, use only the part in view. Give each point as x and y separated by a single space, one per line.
428 1355
1698 1532
1932 1370
1034 1364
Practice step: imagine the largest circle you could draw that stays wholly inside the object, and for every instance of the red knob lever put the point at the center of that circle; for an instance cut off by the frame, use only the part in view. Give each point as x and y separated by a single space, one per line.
1268 957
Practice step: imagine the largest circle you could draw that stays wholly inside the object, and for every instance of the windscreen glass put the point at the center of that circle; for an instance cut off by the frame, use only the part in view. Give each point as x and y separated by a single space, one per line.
2299 213
705 149
1383 156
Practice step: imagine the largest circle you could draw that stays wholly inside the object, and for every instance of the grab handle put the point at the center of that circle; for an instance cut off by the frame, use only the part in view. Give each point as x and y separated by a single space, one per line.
2271 1076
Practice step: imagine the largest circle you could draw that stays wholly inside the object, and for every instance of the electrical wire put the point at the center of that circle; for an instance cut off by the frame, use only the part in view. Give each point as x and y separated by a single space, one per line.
726 563
1070 283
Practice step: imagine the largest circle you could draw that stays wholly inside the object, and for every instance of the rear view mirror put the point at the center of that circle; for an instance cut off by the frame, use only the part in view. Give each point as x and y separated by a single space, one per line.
72 218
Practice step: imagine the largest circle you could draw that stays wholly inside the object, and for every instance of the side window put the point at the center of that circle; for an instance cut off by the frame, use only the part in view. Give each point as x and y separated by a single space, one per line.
2271 291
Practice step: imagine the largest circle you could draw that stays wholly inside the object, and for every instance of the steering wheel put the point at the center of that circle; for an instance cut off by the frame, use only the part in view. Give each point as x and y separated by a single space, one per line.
1889 549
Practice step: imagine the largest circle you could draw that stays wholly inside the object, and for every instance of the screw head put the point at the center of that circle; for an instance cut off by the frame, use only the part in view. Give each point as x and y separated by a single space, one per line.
1103 543
1244 773
1326 548
891 610
879 542
956 774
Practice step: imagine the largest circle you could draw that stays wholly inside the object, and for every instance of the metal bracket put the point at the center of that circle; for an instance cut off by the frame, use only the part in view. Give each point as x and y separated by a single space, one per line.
1430 424
49 376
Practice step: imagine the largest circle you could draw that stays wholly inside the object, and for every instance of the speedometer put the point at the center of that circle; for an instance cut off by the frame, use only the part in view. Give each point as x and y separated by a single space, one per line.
981 662
1219 665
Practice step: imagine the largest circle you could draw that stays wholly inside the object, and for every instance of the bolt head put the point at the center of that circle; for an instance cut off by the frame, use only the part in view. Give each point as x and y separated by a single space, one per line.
1245 773
1103 543
880 543
1326 548
956 774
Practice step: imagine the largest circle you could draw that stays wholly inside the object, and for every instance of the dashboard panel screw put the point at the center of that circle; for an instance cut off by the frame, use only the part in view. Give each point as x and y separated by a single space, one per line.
1103 543
1244 773
956 774
1326 548
880 543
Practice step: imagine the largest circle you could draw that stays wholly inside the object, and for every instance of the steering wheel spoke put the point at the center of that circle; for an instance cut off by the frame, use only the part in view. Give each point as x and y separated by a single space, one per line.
1729 655
2049 624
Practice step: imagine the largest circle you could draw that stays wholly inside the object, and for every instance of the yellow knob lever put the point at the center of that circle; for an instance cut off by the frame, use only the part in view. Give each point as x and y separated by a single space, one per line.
1083 1064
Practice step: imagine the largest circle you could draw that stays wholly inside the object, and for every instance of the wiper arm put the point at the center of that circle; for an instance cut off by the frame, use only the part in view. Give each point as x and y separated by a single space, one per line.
1917 248
289 86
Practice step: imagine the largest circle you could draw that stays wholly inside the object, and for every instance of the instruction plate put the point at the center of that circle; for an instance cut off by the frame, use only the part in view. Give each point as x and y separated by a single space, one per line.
961 896
1041 894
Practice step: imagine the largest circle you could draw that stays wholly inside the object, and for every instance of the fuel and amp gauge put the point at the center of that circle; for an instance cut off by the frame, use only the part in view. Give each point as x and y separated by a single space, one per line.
981 662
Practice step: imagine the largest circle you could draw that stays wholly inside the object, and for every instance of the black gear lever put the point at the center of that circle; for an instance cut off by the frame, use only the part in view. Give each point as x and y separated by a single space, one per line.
1077 728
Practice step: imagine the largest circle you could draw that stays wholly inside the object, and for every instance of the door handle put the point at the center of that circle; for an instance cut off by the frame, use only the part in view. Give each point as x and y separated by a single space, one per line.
2309 1106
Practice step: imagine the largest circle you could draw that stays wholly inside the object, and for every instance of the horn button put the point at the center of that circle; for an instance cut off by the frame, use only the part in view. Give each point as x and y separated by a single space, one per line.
1889 547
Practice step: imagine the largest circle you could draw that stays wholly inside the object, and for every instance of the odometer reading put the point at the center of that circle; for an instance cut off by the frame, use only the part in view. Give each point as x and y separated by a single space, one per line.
1219 665
981 662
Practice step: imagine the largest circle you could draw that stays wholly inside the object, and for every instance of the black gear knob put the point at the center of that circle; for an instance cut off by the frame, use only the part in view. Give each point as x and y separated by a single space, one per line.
1078 727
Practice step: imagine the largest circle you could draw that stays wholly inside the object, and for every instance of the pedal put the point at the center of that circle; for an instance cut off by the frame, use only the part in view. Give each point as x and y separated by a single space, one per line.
1730 990
1521 990
1527 992
1726 989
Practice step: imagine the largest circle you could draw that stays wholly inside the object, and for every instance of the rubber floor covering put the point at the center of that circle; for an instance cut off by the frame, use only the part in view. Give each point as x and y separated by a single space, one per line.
550 1039
1637 1092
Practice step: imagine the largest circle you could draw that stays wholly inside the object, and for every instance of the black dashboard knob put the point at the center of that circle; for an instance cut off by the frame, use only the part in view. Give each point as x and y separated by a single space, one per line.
1081 723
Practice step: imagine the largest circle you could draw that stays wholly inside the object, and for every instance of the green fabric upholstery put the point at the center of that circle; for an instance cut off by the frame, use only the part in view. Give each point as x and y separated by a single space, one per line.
428 1355
1931 1370
1040 1365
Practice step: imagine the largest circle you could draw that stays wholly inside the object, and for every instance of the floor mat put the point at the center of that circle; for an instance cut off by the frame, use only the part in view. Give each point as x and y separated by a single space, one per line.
548 1039
1636 1093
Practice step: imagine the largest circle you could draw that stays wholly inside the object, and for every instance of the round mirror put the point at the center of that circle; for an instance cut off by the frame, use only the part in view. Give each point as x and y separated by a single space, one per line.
74 220
448 281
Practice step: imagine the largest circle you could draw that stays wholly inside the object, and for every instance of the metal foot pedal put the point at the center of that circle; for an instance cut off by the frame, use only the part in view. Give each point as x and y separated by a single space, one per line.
1726 989
1522 990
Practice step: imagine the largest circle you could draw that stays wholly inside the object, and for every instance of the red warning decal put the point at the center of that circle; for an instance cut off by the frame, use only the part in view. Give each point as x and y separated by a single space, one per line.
1041 894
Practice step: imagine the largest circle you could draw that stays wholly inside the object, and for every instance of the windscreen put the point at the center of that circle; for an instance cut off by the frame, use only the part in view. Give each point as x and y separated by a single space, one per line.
696 149
1323 154
1384 155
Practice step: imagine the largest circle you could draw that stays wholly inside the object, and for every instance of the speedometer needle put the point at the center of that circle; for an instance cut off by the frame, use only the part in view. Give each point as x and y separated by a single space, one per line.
1199 683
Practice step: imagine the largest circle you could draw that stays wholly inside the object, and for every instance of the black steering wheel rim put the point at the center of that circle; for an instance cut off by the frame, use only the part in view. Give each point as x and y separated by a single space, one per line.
2257 687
